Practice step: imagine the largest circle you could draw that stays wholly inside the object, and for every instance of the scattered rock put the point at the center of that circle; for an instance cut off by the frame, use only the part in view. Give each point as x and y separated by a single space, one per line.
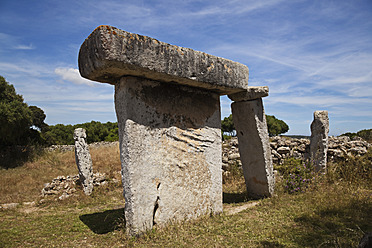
9 206
283 150
65 186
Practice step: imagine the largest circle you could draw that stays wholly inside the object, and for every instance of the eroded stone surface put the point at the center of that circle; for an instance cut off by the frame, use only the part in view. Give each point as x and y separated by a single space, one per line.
110 53
252 93
83 160
170 146
319 140
254 147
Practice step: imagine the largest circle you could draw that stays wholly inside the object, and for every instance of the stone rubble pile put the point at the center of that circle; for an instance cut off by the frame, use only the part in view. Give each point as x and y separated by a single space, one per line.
285 147
65 186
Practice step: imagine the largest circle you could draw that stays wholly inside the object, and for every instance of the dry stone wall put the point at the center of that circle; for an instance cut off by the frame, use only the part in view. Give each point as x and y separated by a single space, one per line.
68 148
285 147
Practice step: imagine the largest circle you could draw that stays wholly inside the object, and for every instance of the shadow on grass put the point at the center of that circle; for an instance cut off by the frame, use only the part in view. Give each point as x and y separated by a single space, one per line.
235 197
104 222
337 226
269 244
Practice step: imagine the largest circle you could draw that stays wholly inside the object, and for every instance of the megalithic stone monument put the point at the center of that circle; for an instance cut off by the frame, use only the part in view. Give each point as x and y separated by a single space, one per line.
168 109
83 160
319 140
254 146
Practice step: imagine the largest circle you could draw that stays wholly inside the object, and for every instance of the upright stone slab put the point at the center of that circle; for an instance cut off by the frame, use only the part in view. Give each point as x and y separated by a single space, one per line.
319 140
83 160
168 110
254 147
171 151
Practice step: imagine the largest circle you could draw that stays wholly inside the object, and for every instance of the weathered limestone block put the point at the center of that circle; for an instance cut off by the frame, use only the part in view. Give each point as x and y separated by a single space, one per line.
319 140
254 147
83 160
170 146
110 53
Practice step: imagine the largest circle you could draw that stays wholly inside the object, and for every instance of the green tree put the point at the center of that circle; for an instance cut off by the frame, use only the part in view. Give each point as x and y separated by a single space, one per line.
227 125
17 120
96 131
113 131
276 126
365 134
37 117
15 116
58 135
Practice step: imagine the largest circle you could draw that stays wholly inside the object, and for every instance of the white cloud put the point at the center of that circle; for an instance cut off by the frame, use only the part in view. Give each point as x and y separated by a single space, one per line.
72 75
27 68
24 47
13 42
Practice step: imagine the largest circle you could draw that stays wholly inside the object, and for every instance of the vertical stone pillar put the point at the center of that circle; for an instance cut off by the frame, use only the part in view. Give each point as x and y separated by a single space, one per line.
170 146
83 160
254 147
319 140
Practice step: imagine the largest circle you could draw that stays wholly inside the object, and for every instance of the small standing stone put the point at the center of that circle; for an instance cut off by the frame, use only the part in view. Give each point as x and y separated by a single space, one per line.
83 160
319 140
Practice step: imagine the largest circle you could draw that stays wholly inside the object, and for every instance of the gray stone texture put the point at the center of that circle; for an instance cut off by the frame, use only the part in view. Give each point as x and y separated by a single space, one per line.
110 53
254 147
252 93
170 147
319 140
83 160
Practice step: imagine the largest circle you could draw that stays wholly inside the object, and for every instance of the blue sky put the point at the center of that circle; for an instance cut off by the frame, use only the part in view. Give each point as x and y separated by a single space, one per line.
313 55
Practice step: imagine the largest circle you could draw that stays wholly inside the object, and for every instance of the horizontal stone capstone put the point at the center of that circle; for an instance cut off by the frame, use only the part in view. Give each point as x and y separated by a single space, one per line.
252 93
110 53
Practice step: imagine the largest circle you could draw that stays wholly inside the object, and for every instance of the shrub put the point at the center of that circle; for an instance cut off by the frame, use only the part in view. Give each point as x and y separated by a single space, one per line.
297 175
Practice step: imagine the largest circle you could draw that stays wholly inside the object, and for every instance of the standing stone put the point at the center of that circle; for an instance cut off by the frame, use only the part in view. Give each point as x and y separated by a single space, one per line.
319 140
168 109
83 160
254 146
170 150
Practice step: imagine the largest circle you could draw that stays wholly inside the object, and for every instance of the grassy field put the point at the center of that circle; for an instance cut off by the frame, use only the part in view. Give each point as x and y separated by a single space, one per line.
334 211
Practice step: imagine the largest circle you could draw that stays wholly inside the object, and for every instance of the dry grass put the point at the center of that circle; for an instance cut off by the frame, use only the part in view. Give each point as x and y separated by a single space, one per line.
336 213
23 184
